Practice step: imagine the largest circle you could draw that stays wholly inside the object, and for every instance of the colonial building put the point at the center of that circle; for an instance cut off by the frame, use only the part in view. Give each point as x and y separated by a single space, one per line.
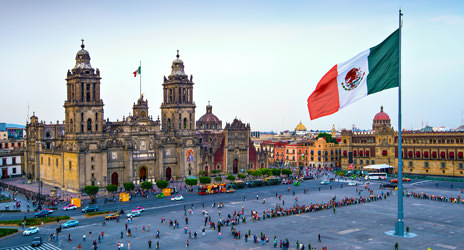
88 150
424 152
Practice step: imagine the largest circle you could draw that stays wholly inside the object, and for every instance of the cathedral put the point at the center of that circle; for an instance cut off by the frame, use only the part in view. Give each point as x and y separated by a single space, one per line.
88 150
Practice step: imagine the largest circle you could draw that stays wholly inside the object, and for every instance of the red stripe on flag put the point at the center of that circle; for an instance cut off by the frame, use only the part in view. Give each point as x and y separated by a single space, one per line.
135 73
325 100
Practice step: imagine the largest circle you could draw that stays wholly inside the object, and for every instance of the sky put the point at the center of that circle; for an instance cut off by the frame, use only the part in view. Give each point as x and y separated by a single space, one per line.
257 61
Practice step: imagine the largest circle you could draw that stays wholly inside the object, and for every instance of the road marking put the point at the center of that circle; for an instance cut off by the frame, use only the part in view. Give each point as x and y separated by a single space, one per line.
445 246
350 231
44 246
419 182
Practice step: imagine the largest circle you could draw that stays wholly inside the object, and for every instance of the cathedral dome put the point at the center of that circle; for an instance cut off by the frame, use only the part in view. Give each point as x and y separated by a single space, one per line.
177 67
209 120
381 115
300 127
83 58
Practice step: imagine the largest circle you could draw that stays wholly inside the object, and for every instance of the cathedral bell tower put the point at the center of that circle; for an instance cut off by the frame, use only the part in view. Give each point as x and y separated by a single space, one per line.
83 106
178 108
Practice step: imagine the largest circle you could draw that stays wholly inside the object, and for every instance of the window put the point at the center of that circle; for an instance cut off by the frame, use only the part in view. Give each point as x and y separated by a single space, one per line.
14 170
57 162
354 161
92 167
426 164
48 161
70 165
89 125
443 164
14 160
87 94
373 162
410 164
360 161
461 165
4 161
92 159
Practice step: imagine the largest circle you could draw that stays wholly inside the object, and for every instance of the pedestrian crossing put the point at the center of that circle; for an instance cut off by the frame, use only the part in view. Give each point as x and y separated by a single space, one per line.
44 246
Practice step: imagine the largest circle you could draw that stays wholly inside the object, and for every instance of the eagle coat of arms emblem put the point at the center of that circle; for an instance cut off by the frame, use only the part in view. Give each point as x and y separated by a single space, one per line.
353 78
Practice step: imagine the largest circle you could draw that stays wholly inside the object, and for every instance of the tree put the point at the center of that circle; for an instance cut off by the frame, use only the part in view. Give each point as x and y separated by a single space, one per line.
128 186
231 177
328 138
241 176
287 171
205 179
147 185
162 184
111 188
201 172
276 171
257 173
191 181
218 179
249 172
266 171
91 191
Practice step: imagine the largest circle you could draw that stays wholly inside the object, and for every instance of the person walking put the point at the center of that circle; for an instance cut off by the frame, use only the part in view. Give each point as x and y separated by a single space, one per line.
187 244
83 237
319 237
149 244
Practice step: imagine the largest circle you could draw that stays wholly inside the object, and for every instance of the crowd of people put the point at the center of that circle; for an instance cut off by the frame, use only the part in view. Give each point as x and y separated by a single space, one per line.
433 197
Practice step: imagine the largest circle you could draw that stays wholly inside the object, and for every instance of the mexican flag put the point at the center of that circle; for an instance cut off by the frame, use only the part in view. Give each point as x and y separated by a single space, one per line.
138 71
369 72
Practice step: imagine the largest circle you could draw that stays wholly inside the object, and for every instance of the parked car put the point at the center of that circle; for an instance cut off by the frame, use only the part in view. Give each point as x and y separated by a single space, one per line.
91 208
389 185
69 207
43 213
49 210
133 214
352 183
177 198
112 216
325 182
31 230
70 223
140 209
37 241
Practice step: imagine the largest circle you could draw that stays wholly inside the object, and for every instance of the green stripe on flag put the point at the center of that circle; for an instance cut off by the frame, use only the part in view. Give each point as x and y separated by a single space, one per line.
139 71
384 65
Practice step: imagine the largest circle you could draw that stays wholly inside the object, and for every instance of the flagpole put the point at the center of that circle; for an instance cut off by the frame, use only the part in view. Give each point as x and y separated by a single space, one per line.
140 77
399 225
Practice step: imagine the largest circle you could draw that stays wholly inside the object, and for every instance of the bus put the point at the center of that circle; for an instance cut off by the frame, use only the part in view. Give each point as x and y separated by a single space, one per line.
376 176
211 188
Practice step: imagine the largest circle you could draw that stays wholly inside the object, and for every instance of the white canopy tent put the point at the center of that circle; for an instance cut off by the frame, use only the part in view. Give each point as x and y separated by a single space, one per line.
377 167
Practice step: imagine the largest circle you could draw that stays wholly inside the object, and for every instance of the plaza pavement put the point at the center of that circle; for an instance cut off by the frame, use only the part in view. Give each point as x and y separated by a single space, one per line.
437 224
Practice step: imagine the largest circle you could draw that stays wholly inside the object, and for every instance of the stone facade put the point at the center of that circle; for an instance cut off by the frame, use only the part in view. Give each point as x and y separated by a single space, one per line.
86 149
424 153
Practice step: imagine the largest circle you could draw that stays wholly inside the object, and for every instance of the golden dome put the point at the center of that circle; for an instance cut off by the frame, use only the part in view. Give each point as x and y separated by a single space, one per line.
300 127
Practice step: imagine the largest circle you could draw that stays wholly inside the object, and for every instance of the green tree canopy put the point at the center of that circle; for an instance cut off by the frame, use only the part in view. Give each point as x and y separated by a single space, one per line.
286 171
162 184
201 172
128 186
91 191
257 173
328 138
147 185
218 179
205 179
191 181
241 176
276 171
249 172
266 171
231 177
111 188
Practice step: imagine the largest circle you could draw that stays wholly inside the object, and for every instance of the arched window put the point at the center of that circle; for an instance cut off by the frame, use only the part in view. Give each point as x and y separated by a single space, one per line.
89 125
185 123
71 126
96 122
169 124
